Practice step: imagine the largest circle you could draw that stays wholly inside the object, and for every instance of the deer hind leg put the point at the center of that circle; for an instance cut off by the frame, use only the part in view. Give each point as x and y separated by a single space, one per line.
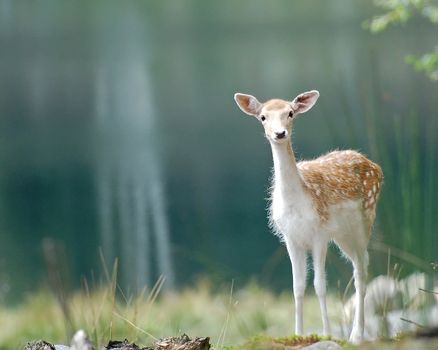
298 257
356 249
360 266
319 254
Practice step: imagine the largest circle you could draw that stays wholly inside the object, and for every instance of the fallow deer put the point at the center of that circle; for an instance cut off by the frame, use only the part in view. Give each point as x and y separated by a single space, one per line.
313 202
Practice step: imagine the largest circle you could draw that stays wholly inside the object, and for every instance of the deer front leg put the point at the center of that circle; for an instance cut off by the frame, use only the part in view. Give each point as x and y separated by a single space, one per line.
319 254
299 273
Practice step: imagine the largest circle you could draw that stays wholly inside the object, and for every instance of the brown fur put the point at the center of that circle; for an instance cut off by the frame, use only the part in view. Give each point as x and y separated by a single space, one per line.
275 104
342 175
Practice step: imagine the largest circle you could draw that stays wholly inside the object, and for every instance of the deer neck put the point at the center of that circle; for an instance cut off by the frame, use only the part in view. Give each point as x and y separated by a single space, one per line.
287 179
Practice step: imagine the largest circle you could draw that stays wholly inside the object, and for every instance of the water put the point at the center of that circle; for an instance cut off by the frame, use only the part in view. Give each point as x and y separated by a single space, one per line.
118 131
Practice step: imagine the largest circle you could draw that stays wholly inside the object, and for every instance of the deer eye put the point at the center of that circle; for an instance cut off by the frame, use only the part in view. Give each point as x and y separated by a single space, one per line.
263 118
291 114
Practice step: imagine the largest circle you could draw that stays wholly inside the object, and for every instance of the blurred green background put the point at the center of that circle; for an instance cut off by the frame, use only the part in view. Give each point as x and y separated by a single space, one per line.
119 132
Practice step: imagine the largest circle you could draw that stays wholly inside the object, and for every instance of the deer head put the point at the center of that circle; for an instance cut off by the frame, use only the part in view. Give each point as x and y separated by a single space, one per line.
277 115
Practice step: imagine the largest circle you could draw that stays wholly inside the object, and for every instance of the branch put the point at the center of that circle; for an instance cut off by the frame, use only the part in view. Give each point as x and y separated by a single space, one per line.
428 291
412 322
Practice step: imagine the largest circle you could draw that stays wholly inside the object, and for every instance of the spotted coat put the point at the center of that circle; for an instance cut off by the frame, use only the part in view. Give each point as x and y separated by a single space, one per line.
342 175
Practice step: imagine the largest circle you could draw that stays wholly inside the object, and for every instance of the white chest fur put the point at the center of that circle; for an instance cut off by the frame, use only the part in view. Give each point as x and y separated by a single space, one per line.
292 214
294 217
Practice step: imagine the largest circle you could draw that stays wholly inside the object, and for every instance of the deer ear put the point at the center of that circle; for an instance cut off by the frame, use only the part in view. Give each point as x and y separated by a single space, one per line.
303 102
248 104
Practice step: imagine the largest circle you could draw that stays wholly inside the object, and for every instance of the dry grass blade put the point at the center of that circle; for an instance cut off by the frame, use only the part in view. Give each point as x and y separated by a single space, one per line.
222 334
104 266
401 254
113 287
155 291
135 326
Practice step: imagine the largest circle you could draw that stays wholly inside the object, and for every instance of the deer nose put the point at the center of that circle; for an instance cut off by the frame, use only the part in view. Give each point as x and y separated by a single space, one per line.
280 134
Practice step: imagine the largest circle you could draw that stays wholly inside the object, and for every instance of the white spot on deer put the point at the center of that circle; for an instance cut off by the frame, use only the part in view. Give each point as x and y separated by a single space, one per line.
370 193
364 182
374 188
367 174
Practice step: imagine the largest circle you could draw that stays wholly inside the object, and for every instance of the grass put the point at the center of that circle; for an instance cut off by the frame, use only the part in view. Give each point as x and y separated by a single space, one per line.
234 318
203 310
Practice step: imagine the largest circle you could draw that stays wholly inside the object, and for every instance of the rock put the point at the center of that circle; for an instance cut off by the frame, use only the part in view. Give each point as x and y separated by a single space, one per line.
39 345
183 343
61 347
172 343
121 345
386 302
323 345
80 341
428 332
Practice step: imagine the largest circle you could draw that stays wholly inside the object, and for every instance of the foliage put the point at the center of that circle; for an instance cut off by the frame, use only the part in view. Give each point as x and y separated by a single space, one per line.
427 63
399 12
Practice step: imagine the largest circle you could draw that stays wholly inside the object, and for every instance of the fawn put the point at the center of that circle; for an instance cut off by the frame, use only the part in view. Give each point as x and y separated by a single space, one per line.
313 202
